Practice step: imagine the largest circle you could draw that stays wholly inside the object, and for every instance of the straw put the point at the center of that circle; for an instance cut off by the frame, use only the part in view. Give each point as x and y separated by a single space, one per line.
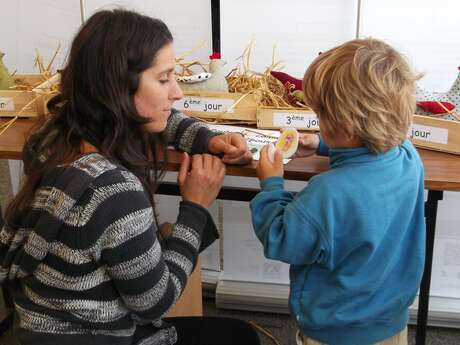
266 332
454 114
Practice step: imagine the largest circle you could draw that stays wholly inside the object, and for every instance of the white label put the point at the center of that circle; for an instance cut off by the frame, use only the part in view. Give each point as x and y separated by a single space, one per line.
206 104
6 104
428 133
296 120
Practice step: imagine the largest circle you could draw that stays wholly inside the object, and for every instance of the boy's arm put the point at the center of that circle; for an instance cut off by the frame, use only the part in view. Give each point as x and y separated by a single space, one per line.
309 144
286 233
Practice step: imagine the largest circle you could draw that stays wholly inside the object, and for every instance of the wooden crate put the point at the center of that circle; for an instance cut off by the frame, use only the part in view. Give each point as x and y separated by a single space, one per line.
275 118
436 134
212 105
23 103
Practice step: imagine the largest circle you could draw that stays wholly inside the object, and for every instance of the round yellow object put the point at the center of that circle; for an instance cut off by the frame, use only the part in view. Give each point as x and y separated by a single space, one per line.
288 141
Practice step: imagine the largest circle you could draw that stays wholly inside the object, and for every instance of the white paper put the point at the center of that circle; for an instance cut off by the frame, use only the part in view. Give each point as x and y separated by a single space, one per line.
243 253
300 29
206 104
429 133
188 21
427 32
299 120
445 277
6 104
255 138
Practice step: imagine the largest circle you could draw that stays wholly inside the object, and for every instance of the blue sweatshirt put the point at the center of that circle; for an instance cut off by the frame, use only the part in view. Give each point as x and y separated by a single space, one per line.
355 240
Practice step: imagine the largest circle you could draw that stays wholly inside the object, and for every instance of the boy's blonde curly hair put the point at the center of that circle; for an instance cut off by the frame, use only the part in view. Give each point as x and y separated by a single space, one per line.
363 88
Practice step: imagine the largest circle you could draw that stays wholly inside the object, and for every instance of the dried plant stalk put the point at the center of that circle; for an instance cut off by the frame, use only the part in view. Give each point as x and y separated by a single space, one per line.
268 90
454 114
22 84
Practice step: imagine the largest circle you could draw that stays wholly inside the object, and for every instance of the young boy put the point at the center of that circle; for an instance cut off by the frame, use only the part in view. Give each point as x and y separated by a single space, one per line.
355 236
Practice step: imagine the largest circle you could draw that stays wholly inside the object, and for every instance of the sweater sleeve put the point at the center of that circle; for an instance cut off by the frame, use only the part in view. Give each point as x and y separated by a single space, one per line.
286 234
187 134
149 277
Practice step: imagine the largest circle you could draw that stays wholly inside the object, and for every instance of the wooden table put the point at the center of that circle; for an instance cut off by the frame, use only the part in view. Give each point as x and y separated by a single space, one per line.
442 173
442 170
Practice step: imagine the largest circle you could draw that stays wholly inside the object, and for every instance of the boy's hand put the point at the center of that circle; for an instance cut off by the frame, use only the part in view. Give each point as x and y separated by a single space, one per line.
308 144
267 168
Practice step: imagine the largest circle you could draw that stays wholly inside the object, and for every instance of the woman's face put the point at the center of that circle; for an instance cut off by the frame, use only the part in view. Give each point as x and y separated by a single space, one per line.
158 90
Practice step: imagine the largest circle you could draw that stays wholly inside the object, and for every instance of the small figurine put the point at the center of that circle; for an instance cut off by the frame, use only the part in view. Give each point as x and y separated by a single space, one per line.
6 79
214 81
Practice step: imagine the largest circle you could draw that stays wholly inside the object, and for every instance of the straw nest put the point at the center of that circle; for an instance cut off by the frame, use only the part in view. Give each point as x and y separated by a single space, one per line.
44 86
268 90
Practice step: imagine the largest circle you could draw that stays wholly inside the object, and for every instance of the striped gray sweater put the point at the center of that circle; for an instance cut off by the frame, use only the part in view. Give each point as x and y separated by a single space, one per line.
86 267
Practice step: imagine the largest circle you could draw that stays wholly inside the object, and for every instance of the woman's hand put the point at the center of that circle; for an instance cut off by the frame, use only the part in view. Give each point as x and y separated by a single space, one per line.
232 147
308 144
200 183
165 231
266 168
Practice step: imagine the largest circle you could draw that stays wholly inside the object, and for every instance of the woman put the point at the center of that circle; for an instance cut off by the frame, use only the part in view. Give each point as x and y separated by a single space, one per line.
79 248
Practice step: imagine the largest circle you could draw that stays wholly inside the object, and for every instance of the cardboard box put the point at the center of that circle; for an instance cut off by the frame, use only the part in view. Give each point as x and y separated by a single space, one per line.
221 105
436 134
23 103
275 118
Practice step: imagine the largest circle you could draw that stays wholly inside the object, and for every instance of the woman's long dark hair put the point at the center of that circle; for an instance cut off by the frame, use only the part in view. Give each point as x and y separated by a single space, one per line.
96 103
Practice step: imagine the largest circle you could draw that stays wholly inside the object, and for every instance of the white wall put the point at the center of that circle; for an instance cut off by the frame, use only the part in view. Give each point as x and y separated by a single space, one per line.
27 25
427 32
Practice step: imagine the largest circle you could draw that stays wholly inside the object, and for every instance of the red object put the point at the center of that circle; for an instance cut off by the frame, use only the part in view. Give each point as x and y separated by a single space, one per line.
286 78
214 56
435 108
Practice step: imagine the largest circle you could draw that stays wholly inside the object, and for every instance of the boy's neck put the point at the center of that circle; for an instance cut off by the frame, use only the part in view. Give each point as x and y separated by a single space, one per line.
343 142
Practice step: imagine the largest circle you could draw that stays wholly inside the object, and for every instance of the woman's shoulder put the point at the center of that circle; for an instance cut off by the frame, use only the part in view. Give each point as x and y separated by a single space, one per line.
91 171
103 171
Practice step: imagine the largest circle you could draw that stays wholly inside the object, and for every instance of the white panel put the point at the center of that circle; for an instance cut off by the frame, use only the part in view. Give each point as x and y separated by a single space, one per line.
427 32
300 29
42 24
242 295
445 277
243 253
167 207
273 298
189 21
16 174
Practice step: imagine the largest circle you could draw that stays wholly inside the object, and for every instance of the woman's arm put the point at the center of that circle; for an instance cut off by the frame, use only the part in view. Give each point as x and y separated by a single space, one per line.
187 134
192 136
148 276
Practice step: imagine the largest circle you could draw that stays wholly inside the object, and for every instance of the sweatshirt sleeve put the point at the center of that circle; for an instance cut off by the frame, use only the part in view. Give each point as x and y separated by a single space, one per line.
323 149
187 134
286 233
150 276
